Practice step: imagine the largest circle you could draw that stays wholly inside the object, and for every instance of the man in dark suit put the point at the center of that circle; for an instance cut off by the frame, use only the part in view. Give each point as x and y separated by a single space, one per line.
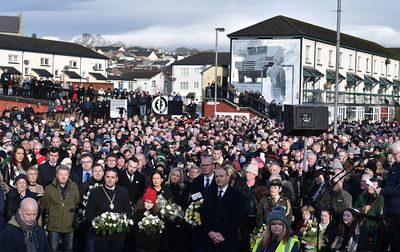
222 214
83 172
108 198
206 181
133 181
202 184
47 171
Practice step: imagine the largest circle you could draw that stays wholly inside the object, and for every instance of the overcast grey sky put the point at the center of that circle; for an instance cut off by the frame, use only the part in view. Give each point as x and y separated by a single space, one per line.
191 23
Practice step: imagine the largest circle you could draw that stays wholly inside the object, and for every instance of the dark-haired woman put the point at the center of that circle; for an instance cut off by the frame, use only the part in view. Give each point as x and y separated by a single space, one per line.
18 164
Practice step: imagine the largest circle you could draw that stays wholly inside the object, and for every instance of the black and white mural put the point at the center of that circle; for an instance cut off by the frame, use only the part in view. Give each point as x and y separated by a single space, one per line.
268 66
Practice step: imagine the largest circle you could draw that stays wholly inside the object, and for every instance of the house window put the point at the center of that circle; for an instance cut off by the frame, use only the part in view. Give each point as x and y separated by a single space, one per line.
350 61
98 66
83 74
153 83
197 71
330 62
196 84
375 63
26 71
308 53
358 63
73 64
395 70
388 70
56 73
130 85
319 52
367 65
185 71
44 61
184 85
120 84
12 58
382 67
340 59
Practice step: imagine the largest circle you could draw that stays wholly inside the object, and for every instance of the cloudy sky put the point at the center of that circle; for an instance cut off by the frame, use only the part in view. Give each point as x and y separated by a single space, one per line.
172 23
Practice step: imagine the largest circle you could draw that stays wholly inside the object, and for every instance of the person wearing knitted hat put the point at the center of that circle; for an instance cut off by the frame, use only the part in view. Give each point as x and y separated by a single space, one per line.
247 187
278 235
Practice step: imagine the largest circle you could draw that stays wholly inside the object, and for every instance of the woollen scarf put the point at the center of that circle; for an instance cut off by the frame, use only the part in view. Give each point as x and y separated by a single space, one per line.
29 234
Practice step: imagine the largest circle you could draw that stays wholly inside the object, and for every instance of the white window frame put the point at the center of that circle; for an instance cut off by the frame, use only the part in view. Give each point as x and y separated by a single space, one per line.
358 63
330 62
26 71
375 63
153 83
196 84
308 48
367 65
350 61
56 73
184 85
340 59
99 66
73 64
13 58
44 61
184 71
196 71
395 71
120 84
130 86
319 53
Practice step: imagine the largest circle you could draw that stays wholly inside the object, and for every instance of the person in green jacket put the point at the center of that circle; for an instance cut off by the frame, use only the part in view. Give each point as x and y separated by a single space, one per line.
370 205
59 201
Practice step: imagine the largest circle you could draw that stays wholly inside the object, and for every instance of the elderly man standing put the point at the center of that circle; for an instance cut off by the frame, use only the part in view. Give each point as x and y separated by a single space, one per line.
22 232
391 195
59 200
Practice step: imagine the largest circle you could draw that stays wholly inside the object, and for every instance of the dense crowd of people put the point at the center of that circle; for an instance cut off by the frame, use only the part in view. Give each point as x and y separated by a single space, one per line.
343 194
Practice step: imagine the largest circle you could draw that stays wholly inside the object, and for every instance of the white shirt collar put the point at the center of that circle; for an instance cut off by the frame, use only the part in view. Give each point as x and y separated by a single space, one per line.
110 188
223 190
210 179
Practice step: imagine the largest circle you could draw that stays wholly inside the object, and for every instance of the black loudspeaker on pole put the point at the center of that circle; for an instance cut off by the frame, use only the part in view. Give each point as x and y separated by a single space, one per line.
305 120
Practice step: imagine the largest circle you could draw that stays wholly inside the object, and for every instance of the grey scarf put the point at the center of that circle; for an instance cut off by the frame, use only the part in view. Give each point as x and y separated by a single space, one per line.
29 234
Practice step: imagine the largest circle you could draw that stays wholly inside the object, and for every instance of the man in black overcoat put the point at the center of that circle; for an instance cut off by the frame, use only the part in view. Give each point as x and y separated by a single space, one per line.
222 214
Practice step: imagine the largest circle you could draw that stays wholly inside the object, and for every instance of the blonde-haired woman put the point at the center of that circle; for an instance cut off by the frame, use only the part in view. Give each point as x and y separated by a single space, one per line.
278 235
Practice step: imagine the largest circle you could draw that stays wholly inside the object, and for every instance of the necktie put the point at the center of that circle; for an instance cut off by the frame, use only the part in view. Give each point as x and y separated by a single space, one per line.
87 176
207 183
220 195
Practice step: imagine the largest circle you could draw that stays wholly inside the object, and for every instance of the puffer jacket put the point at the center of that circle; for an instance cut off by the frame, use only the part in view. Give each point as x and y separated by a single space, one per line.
60 210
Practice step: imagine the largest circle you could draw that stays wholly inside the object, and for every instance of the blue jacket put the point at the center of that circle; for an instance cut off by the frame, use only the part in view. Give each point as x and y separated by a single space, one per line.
12 238
391 191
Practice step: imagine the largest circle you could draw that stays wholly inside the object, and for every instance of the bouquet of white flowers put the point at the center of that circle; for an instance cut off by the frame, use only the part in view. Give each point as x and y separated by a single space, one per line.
257 236
151 224
309 235
169 210
109 223
192 214
81 208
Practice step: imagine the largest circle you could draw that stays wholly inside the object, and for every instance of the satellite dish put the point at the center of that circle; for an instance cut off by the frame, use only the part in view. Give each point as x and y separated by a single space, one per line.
26 62
66 68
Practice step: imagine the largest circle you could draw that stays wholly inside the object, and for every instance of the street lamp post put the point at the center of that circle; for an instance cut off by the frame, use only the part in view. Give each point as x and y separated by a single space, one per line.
335 109
220 29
